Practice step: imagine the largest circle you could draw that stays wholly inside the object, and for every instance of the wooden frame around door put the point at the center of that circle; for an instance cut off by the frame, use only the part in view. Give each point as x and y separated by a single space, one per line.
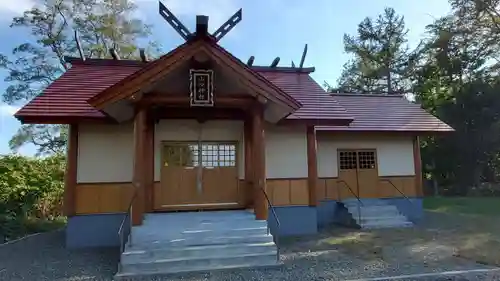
239 198
362 182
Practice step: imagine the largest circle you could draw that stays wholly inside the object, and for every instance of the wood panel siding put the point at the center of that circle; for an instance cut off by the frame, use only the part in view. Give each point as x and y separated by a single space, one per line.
334 189
94 198
288 192
98 198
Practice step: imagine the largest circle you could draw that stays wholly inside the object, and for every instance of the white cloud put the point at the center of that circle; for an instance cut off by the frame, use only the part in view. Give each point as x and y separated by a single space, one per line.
17 7
8 110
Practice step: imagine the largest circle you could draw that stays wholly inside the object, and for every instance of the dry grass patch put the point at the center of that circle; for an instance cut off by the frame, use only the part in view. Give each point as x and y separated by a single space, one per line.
440 236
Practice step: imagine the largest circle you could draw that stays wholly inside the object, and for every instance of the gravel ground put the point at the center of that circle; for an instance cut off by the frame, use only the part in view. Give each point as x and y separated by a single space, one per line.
43 257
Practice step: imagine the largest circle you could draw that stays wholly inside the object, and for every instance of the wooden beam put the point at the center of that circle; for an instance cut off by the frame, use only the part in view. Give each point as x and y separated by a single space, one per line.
418 167
183 100
249 192
259 163
140 122
70 177
149 164
312 166
198 113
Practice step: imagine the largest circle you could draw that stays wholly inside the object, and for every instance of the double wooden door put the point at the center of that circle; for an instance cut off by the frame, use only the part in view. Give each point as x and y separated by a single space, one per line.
357 173
198 175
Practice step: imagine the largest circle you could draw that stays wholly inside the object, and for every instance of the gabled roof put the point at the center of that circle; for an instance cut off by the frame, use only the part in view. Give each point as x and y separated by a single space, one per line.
157 69
386 113
67 96
66 99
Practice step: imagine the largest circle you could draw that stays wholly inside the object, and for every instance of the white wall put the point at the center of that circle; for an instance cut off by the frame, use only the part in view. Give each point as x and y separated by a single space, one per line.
394 154
188 130
105 153
286 152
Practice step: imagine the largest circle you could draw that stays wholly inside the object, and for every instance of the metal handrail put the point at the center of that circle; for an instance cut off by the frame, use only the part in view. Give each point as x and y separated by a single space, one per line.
357 197
404 195
277 223
128 215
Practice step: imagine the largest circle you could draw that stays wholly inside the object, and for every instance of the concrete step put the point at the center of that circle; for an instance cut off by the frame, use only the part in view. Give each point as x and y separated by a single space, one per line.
137 254
214 262
364 202
372 208
386 224
201 241
376 215
154 234
399 218
355 213
197 241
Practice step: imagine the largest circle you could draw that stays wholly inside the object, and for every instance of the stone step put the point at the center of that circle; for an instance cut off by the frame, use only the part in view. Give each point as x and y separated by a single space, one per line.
136 254
201 241
222 261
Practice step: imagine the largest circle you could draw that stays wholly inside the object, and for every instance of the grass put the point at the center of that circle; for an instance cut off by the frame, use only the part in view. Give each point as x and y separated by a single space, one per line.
17 228
466 228
487 206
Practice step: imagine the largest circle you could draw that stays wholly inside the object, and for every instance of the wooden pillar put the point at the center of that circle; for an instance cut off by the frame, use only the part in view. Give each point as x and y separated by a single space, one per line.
70 177
140 127
249 188
149 165
259 164
418 167
312 166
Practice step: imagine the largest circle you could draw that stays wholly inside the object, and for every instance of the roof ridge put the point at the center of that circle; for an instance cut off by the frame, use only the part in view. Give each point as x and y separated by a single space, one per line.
130 62
368 95
107 62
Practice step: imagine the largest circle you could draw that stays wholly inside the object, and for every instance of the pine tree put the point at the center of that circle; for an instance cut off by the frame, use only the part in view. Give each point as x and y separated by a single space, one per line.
381 60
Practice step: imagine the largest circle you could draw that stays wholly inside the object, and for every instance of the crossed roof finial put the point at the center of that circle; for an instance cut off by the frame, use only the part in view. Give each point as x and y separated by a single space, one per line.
201 24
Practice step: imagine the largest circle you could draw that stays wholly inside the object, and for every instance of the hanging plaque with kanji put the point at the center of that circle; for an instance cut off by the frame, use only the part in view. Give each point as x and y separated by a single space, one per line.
201 87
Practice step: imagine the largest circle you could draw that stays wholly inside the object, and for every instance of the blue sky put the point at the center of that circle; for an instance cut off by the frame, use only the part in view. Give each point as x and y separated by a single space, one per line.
269 28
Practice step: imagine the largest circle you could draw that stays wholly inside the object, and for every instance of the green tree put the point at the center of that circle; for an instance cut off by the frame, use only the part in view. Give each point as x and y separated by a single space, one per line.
33 65
457 79
381 59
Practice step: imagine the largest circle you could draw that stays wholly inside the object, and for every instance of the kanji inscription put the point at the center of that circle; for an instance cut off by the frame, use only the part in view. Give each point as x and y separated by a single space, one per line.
201 87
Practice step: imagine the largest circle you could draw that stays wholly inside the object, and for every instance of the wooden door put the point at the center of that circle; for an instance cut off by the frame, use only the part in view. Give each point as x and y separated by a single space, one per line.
357 170
220 175
348 176
196 177
178 176
367 173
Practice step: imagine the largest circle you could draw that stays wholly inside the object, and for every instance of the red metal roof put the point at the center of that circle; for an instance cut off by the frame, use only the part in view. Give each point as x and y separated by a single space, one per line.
68 96
386 113
316 103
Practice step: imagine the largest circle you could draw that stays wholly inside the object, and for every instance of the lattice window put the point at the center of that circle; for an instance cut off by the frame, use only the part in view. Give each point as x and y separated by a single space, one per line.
367 159
347 160
218 155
